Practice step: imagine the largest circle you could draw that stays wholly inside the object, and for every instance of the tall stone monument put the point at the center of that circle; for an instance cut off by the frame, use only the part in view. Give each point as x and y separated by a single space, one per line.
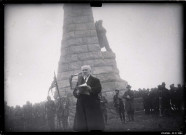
81 45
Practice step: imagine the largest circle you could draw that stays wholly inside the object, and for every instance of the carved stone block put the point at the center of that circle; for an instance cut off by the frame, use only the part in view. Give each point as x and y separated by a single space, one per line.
69 58
85 33
108 55
93 62
89 56
64 83
84 26
94 47
75 65
103 69
108 77
108 86
78 49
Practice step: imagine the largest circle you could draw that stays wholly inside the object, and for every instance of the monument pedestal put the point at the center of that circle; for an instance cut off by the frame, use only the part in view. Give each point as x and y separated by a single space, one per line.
80 46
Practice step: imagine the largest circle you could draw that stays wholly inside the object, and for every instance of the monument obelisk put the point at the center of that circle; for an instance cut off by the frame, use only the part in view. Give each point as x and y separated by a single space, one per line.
80 46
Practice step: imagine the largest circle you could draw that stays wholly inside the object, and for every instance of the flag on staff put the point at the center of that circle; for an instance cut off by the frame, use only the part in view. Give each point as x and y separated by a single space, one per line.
54 84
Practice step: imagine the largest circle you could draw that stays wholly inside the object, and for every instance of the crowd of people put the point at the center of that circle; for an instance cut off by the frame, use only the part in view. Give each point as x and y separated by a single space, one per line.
164 101
44 116
160 101
51 115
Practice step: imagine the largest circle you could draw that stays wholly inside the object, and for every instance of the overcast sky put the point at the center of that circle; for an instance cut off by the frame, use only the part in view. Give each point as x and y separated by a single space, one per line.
146 38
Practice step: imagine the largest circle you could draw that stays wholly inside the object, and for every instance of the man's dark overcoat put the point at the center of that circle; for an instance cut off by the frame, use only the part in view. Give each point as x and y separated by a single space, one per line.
88 112
129 103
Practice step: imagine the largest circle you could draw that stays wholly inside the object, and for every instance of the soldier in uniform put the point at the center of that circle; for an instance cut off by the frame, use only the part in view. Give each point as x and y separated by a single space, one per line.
173 94
146 101
59 112
179 97
119 106
151 100
8 117
156 101
65 112
50 113
165 100
28 115
116 100
129 103
104 104
18 118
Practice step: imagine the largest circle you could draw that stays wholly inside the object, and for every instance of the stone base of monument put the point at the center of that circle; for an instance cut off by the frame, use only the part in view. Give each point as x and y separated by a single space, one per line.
81 44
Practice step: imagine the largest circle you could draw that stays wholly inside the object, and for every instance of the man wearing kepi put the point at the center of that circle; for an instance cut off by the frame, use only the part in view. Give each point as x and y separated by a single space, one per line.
129 103
88 111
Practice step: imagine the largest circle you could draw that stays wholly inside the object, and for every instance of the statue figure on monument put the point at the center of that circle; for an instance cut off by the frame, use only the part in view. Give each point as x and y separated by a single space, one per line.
101 33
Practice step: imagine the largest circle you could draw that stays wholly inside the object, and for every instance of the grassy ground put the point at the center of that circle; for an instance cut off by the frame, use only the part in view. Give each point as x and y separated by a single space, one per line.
144 122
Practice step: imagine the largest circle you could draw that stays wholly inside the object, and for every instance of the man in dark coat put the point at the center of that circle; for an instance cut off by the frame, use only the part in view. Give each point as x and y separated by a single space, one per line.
88 111
129 103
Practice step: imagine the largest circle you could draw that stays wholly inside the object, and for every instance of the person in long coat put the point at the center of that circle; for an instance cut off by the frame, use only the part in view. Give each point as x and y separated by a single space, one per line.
129 103
88 114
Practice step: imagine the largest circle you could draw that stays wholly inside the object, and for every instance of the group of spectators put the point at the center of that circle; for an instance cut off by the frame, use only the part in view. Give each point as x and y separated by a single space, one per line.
159 101
44 116
163 101
51 115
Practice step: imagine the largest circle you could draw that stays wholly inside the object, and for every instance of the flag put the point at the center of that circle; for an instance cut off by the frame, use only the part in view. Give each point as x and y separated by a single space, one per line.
53 84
